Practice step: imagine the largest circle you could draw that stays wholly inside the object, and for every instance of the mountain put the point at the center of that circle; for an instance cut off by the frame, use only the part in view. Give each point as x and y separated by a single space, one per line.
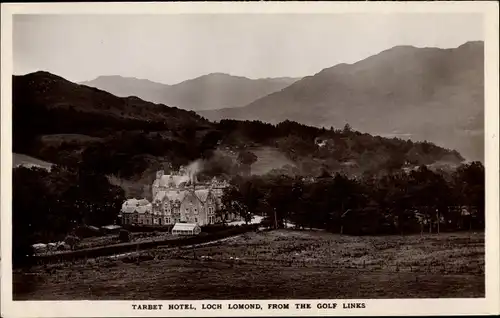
419 93
212 91
128 139
56 120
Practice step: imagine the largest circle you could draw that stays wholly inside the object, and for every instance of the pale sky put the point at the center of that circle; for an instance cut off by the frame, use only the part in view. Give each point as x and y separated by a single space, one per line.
173 48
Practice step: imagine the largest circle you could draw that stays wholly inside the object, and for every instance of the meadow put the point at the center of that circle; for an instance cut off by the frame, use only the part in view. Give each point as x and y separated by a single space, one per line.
277 265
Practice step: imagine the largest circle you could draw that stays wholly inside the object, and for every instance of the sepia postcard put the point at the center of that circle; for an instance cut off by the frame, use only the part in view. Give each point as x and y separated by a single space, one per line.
249 159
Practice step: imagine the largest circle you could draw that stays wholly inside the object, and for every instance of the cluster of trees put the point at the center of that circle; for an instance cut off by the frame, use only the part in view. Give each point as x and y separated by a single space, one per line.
47 206
398 198
128 152
344 150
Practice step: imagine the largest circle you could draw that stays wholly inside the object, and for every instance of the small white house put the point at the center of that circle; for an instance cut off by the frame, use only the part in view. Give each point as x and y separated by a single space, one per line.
186 229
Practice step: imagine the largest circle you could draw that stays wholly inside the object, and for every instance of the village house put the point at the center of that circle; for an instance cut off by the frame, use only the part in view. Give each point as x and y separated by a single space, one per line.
177 198
136 212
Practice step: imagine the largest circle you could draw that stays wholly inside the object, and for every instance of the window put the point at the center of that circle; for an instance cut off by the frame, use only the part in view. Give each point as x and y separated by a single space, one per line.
195 211
195 220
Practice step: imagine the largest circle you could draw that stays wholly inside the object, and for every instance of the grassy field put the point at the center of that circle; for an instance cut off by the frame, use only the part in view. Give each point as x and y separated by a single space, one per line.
269 159
277 264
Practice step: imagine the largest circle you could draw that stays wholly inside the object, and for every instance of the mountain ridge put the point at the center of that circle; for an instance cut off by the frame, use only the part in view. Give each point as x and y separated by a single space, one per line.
210 91
422 92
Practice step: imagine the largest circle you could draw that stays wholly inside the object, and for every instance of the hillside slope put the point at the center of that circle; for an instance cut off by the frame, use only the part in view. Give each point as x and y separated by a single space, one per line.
212 91
68 124
57 121
422 93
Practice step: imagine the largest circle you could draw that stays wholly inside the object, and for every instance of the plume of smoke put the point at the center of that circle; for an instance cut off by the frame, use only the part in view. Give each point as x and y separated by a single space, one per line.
194 168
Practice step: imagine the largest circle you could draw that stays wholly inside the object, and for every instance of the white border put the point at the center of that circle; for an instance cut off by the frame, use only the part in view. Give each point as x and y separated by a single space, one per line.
488 305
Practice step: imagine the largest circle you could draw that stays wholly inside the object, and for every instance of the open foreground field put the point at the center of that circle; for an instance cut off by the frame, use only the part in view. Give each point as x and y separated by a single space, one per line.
275 265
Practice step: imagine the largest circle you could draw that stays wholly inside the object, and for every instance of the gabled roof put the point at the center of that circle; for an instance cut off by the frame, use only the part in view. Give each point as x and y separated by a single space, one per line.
167 180
128 209
174 195
132 205
129 202
144 208
202 194
184 226
160 196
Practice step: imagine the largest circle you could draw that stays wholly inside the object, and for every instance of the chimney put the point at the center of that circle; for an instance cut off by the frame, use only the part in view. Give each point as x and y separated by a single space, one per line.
159 174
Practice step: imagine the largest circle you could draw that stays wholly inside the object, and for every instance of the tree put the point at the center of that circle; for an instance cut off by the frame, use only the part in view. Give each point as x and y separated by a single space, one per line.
278 198
347 128
72 241
234 202
222 213
29 197
124 236
47 206
246 159
469 188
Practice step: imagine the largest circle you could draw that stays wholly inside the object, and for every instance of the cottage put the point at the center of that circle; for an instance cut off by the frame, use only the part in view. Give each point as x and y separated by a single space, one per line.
186 229
136 212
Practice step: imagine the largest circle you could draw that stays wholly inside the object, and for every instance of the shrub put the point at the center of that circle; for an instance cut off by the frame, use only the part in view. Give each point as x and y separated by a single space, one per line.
72 241
124 236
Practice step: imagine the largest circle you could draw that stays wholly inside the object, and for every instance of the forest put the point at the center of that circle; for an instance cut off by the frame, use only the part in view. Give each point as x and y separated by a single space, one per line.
71 125
47 206
398 203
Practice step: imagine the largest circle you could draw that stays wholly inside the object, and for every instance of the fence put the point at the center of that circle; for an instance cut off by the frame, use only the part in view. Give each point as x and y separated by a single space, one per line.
138 246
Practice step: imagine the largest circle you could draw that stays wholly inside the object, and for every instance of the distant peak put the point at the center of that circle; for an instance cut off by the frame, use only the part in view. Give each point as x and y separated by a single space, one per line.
110 76
472 43
403 47
43 74
399 48
119 77
218 74
122 78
